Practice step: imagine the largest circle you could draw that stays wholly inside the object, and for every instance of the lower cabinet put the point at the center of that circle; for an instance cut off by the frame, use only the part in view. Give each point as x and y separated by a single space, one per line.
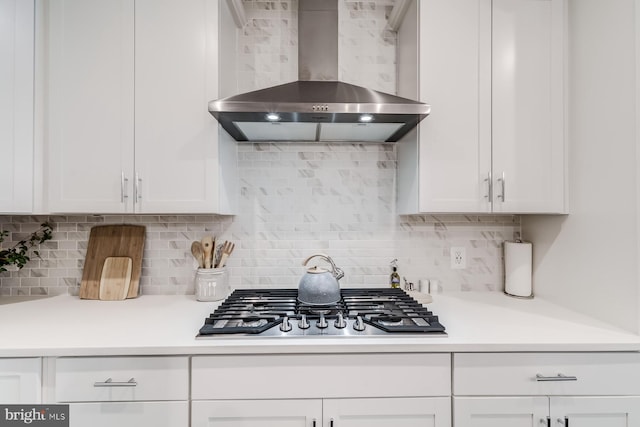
20 380
322 390
257 413
124 391
129 414
546 389
397 412
535 411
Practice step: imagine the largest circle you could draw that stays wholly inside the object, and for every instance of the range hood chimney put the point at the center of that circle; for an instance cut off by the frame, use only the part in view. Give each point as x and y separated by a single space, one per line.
317 107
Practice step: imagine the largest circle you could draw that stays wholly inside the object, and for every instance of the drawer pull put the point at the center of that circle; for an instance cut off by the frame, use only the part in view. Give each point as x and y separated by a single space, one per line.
110 383
559 377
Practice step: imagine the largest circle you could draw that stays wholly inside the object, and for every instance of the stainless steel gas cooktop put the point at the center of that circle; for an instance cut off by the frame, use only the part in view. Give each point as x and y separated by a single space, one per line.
360 312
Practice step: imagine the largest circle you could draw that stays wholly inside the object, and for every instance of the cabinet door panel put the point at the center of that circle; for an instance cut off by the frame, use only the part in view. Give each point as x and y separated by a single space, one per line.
397 412
256 413
175 77
16 105
455 78
20 381
129 414
90 104
500 411
618 411
527 102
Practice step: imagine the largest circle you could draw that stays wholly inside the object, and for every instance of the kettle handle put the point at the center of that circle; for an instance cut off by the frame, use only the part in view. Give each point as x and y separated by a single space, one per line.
337 272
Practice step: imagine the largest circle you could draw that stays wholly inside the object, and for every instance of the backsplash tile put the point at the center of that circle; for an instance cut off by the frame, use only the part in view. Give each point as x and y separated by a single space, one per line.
268 44
367 48
296 200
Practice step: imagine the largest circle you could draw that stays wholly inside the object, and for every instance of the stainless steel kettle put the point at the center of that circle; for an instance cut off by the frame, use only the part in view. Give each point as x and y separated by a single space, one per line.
319 286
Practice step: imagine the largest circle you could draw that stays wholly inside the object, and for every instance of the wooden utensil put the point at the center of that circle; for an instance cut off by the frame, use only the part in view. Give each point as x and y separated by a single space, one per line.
227 248
217 254
207 246
112 241
198 253
115 278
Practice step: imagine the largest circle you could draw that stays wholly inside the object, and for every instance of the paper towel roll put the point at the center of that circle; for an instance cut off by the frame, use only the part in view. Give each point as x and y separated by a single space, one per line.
517 269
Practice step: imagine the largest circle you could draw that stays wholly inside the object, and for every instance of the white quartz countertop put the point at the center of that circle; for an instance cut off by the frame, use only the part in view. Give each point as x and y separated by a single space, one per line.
154 325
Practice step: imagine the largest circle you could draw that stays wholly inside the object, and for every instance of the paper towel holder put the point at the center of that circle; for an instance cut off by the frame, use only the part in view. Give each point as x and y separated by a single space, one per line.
519 296
526 244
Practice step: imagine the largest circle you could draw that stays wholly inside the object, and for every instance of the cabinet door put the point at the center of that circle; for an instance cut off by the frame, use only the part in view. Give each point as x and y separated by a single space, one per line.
618 411
20 381
500 411
527 102
89 108
455 79
16 105
176 75
384 412
257 413
129 414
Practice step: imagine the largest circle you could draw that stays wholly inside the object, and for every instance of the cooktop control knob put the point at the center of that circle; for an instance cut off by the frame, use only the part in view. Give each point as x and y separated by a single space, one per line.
359 324
304 323
286 325
322 322
340 323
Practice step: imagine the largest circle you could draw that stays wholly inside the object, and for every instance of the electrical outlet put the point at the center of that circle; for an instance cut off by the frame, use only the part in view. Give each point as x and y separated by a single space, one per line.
458 258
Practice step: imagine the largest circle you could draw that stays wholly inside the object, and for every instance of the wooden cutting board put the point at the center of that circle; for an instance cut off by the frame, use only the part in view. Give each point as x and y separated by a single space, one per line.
106 241
115 278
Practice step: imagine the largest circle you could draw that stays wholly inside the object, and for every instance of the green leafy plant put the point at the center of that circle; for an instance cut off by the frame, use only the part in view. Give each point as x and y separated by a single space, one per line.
18 255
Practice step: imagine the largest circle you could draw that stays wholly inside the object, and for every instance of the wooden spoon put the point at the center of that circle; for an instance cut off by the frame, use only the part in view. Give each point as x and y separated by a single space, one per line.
198 253
207 246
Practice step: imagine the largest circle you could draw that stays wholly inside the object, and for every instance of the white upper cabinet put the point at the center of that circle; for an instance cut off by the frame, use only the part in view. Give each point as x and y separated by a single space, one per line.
129 82
89 105
176 71
16 105
527 95
492 71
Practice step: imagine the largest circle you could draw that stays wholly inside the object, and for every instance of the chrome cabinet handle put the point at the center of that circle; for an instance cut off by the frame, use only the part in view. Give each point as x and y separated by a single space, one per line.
138 190
501 180
110 383
489 181
123 187
559 377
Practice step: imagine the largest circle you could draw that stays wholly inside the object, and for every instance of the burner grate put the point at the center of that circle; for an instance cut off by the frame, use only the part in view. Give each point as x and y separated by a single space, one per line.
360 312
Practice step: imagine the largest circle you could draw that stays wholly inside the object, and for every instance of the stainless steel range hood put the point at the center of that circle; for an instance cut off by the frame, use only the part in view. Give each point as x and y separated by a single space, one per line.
318 107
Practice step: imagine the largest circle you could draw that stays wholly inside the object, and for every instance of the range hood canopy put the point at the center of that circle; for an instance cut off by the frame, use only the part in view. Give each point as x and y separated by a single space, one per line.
321 109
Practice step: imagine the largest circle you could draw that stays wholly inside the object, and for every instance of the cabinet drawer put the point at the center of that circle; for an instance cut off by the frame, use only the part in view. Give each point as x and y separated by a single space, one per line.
320 376
129 414
95 379
483 374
